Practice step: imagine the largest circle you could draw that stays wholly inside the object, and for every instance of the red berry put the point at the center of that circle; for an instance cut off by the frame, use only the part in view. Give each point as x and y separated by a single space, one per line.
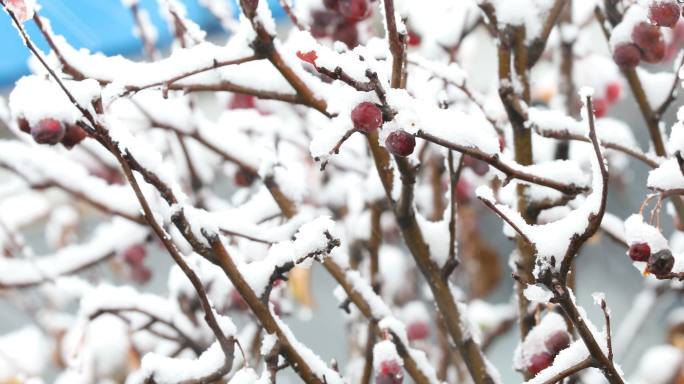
331 4
390 372
324 23
347 33
135 254
110 175
400 143
463 191
418 330
237 301
600 107
413 39
73 135
539 362
310 57
355 10
478 166
277 309
664 13
367 117
557 342
243 178
661 262
141 274
639 252
24 125
48 131
650 40
242 101
613 91
626 55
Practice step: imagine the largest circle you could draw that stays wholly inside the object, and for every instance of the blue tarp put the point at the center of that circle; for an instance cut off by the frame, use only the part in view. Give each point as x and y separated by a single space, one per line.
99 25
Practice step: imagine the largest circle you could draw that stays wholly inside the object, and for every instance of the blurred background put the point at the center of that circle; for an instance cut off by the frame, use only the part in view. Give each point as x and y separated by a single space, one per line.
106 26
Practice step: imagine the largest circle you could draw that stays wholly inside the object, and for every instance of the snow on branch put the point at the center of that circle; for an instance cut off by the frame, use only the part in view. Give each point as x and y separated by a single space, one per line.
555 242
42 168
105 242
225 147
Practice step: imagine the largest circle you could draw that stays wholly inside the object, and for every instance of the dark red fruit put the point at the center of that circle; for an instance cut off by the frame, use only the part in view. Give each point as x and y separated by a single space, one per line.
324 23
413 39
24 125
73 135
463 191
661 263
48 131
557 342
650 40
367 117
354 10
600 107
141 274
310 57
664 13
539 362
237 301
626 55
390 372
331 4
478 166
242 101
347 33
613 91
277 309
110 175
243 178
135 254
400 143
639 252
418 330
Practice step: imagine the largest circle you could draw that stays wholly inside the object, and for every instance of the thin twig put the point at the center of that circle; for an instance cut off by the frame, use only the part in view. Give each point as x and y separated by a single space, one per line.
397 45
632 152
511 171
606 316
557 378
287 7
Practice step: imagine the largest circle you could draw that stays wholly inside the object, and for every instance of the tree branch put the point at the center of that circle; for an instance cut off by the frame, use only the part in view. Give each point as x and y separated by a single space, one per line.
512 172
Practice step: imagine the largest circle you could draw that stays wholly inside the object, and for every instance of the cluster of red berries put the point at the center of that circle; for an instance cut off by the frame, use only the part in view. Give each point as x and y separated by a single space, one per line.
134 256
553 344
389 372
648 43
51 131
367 117
339 20
659 263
